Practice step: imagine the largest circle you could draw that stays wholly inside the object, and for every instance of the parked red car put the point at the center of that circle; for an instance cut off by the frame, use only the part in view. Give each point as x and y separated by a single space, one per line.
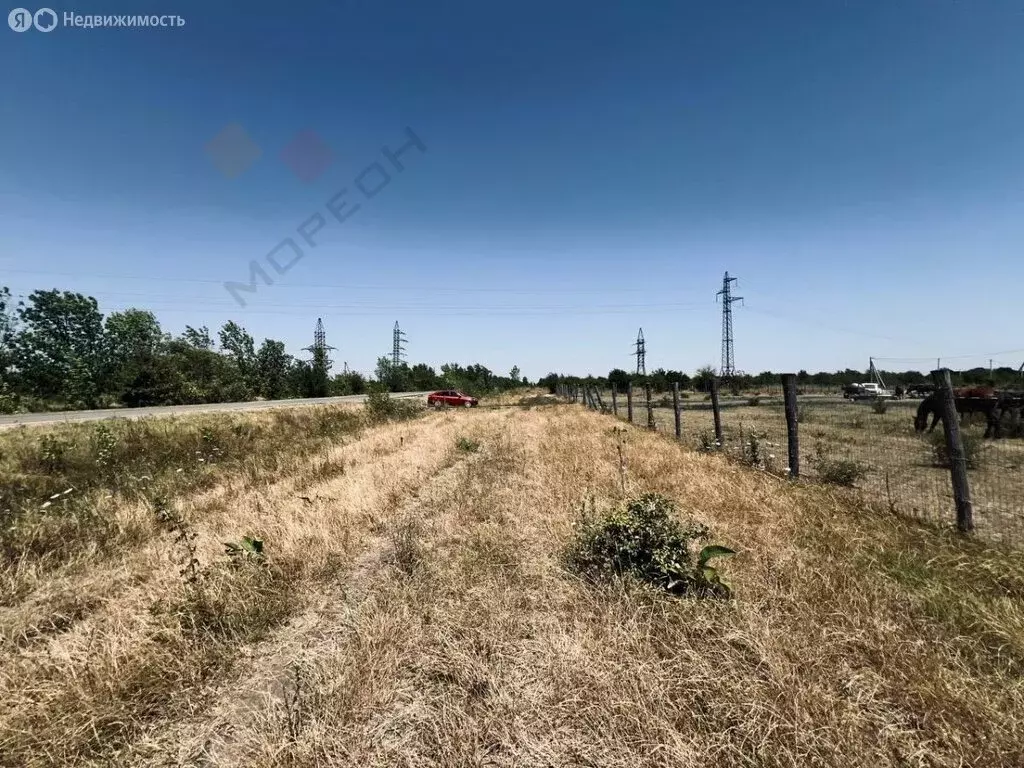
451 397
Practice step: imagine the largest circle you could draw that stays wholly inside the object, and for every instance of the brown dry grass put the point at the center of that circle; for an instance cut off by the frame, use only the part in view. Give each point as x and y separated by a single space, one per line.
413 612
899 466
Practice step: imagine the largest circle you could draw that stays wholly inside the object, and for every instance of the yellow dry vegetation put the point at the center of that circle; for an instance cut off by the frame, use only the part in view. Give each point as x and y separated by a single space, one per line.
411 610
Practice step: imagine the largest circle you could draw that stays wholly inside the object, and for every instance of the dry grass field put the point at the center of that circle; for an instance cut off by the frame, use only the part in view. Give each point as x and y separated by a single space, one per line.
884 457
410 607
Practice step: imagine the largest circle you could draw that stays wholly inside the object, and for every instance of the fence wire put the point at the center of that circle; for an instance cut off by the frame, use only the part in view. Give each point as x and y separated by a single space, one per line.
868 446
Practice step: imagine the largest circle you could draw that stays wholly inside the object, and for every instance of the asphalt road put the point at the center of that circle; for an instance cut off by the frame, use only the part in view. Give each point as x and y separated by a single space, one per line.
56 417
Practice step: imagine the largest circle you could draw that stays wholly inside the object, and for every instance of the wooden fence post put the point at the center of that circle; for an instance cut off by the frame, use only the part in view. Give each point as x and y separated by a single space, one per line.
955 451
719 437
600 402
650 406
675 407
615 401
629 402
792 435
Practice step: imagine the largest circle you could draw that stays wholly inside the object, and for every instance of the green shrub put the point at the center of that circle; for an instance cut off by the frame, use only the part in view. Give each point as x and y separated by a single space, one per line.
879 406
803 415
752 452
754 401
973 448
706 443
465 445
52 453
382 407
844 472
642 539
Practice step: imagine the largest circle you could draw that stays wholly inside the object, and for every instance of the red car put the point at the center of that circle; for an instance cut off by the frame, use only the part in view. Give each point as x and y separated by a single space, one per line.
451 397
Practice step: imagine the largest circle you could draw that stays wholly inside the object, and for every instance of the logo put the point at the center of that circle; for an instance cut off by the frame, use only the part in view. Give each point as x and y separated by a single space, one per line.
45 19
22 20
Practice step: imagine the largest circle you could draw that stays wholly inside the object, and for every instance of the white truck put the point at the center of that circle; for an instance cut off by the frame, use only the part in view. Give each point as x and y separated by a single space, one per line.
871 391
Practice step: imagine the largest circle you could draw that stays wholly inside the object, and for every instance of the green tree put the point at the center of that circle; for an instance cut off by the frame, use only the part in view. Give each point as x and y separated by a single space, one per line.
8 336
198 337
351 383
239 346
318 382
272 365
133 340
60 348
514 374
423 377
702 381
619 378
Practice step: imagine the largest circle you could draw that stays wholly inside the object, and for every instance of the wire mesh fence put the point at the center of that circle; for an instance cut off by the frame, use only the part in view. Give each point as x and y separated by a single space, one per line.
871 447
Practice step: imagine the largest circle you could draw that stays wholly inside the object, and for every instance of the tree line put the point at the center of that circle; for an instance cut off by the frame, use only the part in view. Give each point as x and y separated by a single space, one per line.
58 350
661 380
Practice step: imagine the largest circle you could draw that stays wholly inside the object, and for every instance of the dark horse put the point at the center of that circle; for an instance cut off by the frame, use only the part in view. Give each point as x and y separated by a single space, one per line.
968 400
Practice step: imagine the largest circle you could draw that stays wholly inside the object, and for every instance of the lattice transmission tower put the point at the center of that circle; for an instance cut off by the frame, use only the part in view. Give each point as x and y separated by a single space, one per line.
728 369
397 346
320 343
641 354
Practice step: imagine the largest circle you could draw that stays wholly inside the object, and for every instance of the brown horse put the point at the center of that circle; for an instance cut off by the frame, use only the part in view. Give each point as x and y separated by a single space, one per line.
967 400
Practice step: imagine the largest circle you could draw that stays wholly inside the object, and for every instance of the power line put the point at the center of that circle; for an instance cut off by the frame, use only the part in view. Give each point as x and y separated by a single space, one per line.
208 281
505 312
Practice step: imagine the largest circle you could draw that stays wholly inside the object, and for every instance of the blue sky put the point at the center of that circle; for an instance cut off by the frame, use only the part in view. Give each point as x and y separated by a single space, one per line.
591 168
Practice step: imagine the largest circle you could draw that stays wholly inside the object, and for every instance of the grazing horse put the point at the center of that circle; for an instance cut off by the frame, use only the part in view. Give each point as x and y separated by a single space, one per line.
968 400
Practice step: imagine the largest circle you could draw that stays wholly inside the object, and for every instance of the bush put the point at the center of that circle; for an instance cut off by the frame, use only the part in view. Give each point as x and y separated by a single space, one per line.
465 445
973 448
844 472
754 401
642 539
706 443
382 407
879 406
752 453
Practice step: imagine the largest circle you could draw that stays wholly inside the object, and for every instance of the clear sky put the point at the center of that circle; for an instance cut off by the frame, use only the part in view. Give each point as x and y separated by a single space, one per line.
591 168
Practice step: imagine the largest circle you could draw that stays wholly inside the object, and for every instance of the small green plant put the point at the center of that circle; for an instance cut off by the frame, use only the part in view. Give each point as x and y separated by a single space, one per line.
465 445
973 449
247 549
406 544
879 406
755 400
52 453
104 443
803 415
752 450
844 472
644 540
705 442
